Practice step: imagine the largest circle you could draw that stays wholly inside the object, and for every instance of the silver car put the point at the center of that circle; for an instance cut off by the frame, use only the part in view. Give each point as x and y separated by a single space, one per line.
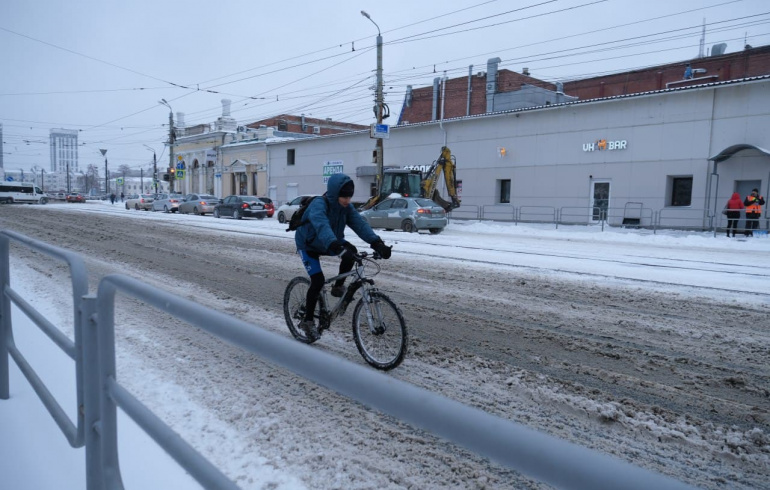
408 214
168 203
139 201
198 204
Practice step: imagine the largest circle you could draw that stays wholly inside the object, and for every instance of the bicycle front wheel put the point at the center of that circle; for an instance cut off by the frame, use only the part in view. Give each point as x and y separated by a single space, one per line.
294 298
379 330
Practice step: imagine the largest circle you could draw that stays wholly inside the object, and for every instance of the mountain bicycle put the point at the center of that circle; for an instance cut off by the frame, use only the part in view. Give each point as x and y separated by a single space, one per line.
379 329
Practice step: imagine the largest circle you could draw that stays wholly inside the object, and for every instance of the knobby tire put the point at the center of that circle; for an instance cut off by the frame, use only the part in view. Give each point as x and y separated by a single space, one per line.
386 349
294 307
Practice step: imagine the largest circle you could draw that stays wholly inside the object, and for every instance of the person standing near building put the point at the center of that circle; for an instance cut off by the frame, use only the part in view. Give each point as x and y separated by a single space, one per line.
753 203
733 212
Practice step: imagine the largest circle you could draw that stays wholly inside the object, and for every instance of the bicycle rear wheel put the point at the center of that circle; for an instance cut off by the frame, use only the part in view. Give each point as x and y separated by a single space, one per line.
383 342
294 307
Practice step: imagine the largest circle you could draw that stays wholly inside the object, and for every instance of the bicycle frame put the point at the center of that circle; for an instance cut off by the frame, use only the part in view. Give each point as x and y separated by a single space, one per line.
327 316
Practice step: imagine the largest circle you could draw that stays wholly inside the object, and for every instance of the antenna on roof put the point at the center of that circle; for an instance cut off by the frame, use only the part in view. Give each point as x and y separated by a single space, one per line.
702 39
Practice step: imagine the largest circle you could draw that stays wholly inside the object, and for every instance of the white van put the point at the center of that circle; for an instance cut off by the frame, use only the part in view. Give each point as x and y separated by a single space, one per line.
11 192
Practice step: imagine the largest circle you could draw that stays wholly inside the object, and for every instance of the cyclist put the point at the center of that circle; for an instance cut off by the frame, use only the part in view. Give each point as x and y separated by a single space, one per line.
323 233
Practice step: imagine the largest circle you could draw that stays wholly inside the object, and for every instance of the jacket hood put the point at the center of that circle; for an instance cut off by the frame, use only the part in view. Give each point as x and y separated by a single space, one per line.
334 185
736 196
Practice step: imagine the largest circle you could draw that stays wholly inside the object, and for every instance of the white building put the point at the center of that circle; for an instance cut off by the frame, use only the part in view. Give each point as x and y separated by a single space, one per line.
64 150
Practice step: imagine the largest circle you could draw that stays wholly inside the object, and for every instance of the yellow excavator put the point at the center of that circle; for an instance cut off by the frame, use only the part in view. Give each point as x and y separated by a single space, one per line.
411 183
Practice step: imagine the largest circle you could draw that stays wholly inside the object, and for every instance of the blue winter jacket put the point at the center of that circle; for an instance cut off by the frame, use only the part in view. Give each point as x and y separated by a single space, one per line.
325 224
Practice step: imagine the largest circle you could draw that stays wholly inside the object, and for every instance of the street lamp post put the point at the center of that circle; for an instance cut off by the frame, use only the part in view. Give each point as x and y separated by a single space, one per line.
170 144
154 168
378 107
106 173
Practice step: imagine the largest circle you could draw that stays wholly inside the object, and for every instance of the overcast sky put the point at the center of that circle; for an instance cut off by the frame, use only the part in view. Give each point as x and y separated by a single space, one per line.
101 66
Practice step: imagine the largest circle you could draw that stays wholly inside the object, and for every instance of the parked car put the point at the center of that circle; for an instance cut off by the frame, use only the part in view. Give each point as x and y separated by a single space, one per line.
286 210
198 204
168 203
75 197
407 214
240 206
269 206
140 201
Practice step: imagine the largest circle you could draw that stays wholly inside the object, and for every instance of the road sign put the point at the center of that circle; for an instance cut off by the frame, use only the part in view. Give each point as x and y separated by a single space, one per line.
119 180
379 131
179 174
9 178
218 175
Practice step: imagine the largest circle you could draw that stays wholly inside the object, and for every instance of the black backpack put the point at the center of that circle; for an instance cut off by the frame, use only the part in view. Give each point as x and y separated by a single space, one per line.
297 218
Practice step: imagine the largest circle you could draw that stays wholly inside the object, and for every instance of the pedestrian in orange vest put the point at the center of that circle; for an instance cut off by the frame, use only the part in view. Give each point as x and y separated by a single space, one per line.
753 203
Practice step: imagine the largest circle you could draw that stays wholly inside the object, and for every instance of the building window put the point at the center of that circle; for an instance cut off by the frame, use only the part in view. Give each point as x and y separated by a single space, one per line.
505 191
681 191
290 156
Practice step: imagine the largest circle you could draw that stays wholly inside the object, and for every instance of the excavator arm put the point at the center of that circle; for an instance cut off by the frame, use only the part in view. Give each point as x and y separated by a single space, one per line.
446 165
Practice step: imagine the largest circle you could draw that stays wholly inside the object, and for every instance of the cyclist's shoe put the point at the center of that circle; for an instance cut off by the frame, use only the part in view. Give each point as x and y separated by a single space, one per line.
311 331
338 291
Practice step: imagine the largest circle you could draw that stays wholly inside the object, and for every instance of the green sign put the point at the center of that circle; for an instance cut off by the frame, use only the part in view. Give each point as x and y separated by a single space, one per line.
119 180
330 168
179 174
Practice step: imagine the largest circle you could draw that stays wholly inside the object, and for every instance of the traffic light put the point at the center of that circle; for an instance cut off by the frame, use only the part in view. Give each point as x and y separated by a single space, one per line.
166 177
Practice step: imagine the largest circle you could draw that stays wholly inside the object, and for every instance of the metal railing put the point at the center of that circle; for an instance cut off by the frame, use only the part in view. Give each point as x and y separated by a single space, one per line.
498 212
537 214
679 217
749 225
537 455
466 211
73 431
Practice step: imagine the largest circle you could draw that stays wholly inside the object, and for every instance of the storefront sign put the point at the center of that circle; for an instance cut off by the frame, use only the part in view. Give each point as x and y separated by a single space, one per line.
605 145
331 168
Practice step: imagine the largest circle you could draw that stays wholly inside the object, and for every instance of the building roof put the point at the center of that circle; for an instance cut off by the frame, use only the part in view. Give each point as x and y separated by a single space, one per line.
751 62
308 125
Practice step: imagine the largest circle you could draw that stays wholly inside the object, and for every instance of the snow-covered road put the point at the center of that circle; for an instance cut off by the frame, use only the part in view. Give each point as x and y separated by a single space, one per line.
652 348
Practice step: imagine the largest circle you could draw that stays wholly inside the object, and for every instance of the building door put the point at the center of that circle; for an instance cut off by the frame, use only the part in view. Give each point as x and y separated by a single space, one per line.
292 191
743 187
600 199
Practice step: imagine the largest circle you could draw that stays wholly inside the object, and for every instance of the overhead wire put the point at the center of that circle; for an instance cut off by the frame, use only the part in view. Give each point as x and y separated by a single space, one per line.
415 38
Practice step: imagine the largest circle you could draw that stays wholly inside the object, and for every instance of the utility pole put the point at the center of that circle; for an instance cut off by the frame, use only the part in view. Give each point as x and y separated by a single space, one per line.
379 148
154 168
106 173
171 140
68 177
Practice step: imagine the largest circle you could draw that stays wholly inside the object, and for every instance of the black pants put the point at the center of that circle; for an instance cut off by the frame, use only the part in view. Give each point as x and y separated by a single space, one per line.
317 281
732 223
752 223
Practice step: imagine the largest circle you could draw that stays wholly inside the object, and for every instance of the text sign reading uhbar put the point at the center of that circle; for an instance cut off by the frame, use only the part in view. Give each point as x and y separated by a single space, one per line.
605 145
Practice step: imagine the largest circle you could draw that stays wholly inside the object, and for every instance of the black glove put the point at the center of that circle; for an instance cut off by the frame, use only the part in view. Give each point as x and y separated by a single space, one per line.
350 248
336 248
381 249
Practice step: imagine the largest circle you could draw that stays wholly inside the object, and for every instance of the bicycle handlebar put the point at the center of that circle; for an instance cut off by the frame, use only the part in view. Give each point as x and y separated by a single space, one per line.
363 255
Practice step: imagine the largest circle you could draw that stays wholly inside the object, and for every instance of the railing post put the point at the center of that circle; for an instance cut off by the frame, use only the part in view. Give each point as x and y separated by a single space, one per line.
108 410
5 317
91 395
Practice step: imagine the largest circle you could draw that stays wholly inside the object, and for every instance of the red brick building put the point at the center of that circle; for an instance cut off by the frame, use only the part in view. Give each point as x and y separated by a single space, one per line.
470 95
307 125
